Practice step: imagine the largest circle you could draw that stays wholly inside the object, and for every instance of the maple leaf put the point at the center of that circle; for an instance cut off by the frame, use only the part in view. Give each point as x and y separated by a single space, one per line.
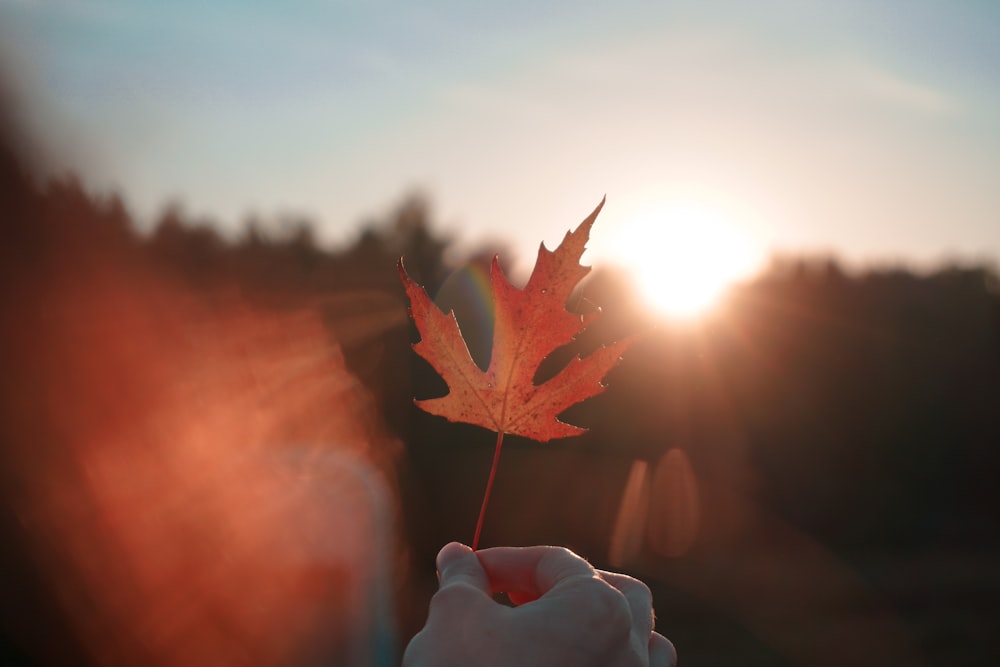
529 324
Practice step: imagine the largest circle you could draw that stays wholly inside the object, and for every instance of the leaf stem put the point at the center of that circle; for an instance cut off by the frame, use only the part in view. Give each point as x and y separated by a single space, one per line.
489 487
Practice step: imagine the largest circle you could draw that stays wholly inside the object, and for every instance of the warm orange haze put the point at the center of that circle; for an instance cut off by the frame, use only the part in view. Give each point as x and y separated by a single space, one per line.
210 451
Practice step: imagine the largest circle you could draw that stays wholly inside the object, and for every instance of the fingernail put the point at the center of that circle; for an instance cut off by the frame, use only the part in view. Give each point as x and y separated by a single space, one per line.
450 553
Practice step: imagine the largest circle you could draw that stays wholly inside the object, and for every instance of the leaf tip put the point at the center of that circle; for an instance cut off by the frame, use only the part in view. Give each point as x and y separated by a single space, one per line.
495 266
589 220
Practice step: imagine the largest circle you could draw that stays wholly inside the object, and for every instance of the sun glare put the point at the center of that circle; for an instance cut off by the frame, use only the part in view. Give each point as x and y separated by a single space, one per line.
683 256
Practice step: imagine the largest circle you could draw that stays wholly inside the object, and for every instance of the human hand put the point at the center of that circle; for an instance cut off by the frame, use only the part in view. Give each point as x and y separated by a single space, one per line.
567 613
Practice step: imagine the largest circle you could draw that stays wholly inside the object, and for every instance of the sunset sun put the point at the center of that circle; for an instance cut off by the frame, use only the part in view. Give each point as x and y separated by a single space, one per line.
683 256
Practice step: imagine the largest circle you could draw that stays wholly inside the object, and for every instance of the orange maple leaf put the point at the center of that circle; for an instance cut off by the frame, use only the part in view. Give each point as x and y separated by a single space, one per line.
529 324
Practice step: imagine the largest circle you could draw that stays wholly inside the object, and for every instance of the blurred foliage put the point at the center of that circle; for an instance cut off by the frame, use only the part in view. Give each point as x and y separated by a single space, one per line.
862 408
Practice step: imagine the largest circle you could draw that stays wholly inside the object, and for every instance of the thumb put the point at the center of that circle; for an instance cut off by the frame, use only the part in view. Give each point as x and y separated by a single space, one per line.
457 565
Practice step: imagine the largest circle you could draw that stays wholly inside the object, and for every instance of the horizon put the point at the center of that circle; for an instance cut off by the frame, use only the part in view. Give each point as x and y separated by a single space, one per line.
867 132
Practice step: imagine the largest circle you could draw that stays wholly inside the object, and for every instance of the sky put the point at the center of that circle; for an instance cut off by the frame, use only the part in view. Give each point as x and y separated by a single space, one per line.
865 128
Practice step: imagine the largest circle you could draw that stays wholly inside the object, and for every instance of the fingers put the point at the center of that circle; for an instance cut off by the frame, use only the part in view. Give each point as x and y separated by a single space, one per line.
530 572
571 595
661 651
458 565
463 620
640 601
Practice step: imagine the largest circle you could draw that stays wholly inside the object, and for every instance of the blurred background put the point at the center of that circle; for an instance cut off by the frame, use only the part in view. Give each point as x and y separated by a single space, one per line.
207 375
